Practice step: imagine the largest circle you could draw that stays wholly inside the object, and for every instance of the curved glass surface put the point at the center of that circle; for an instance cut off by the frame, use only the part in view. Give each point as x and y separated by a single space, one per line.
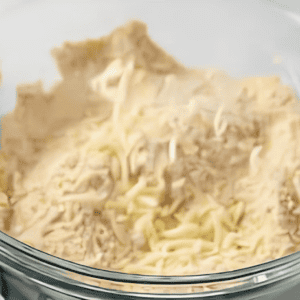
48 274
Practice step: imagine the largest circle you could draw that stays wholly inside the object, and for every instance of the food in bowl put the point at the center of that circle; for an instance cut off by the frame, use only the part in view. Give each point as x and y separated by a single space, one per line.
135 163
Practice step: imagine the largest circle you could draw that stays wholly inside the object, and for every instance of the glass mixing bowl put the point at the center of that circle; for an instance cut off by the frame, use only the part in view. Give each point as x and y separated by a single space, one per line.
249 38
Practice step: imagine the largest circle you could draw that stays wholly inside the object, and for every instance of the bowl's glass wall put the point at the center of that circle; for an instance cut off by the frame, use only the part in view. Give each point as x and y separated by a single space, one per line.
244 38
35 275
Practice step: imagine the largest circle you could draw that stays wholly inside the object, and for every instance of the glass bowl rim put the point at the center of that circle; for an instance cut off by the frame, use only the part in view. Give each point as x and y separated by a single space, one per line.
22 250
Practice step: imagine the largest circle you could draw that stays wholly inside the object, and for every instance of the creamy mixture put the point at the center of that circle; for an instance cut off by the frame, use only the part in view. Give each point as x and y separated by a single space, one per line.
135 163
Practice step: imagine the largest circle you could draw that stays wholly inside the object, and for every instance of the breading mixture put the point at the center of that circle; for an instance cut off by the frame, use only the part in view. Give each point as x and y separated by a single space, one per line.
135 163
